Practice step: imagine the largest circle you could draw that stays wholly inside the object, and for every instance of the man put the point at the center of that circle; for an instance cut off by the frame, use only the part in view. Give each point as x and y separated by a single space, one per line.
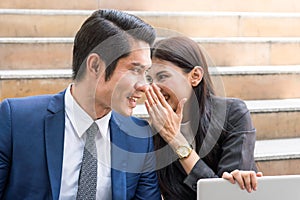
47 150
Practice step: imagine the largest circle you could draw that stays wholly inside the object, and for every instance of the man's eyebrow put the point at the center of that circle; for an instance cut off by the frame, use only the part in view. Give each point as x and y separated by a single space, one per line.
137 64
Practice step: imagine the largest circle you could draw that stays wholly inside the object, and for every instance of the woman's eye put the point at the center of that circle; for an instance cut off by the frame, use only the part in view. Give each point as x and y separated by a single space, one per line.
162 77
149 79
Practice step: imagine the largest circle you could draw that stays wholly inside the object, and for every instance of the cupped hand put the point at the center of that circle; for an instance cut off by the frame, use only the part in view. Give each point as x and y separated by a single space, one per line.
162 117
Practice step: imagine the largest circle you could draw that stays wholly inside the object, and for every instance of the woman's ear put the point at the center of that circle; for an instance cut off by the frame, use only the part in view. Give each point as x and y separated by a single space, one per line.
196 75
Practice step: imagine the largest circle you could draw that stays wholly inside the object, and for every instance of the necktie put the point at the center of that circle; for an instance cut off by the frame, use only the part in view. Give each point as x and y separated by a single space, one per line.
87 183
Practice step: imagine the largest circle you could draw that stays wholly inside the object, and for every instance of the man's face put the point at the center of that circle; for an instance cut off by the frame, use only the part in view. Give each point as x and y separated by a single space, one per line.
127 82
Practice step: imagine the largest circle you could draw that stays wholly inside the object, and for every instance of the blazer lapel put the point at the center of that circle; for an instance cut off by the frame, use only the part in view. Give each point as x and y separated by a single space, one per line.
54 139
118 159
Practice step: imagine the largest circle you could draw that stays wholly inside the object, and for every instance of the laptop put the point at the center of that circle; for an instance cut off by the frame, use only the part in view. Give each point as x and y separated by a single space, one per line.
285 187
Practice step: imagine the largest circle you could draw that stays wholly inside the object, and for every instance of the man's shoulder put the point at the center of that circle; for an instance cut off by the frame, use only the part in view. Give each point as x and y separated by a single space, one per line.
119 118
139 121
131 126
31 102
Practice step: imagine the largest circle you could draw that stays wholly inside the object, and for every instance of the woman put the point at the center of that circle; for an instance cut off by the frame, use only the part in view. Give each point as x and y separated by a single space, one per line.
200 135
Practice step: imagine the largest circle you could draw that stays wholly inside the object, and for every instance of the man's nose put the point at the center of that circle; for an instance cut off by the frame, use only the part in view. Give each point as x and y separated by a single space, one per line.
141 86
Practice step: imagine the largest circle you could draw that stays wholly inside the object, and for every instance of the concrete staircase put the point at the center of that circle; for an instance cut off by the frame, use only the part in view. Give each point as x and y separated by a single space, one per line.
253 46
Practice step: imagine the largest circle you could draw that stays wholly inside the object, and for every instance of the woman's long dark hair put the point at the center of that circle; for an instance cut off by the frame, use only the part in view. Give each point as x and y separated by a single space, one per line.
186 54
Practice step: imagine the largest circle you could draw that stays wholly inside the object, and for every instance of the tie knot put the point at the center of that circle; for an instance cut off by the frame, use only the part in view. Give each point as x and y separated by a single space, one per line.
92 131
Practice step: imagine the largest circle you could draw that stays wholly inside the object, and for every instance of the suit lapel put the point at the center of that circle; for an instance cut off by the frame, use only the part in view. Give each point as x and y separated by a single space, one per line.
118 159
54 139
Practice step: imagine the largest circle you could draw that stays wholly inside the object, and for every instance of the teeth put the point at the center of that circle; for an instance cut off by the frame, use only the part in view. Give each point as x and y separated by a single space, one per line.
132 98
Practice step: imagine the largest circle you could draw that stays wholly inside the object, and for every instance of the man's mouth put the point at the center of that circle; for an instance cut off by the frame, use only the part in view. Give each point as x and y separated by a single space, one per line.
132 98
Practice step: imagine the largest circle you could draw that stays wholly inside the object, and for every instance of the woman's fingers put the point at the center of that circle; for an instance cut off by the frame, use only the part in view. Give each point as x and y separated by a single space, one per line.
253 183
238 178
245 179
180 106
228 177
259 174
156 112
150 97
249 180
159 95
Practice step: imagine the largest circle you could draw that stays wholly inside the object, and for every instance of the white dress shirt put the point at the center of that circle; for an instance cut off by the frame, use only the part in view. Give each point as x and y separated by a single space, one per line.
77 121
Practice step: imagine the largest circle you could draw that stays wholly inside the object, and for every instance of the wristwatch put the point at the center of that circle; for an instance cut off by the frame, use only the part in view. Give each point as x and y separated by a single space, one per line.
184 151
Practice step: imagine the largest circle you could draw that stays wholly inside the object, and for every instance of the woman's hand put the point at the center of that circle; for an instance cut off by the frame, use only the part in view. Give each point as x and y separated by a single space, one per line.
162 117
245 179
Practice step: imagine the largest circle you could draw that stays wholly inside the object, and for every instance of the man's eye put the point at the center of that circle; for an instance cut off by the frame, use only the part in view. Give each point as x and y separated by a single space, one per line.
137 70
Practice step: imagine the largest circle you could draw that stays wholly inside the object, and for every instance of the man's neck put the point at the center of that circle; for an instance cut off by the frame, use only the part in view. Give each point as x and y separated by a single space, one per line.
87 101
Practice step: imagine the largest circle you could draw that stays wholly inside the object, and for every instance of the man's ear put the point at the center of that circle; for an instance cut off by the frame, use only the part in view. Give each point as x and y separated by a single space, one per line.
94 64
196 75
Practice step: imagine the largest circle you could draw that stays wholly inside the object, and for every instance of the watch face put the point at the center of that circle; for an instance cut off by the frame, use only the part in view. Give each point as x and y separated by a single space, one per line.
183 151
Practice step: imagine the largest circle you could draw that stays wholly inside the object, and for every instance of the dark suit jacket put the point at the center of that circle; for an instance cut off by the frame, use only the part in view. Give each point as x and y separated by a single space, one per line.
229 145
32 143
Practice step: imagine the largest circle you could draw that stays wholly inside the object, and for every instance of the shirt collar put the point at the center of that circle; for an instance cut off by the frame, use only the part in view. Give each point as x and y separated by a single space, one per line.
103 124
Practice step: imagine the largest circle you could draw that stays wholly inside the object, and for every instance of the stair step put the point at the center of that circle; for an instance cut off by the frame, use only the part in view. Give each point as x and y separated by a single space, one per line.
211 5
277 105
65 23
224 24
40 53
41 23
276 118
277 149
20 83
237 51
254 82
36 53
278 157
157 5
54 4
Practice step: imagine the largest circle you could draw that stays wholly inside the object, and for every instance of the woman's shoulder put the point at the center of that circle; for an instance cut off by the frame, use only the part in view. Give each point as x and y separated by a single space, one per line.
231 104
233 110
237 118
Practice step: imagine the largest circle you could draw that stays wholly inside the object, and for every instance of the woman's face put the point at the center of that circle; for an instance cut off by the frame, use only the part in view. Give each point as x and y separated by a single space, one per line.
171 79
